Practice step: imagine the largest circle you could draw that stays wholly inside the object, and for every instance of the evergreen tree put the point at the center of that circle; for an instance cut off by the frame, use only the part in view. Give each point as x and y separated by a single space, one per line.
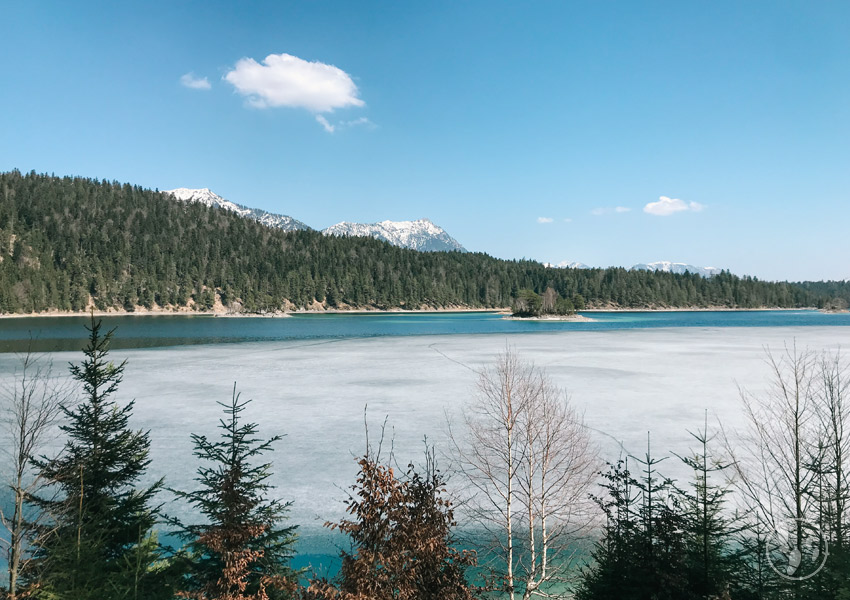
712 560
100 543
527 304
616 555
663 571
754 573
641 555
243 550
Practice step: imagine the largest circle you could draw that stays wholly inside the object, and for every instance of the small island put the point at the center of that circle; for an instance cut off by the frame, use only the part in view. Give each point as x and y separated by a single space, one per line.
548 306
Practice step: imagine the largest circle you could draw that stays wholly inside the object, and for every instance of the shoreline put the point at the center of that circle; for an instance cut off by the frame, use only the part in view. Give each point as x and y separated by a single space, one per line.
575 318
164 312
366 311
698 309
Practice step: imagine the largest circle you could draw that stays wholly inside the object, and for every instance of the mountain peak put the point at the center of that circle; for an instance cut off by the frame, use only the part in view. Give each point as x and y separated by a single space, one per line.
210 198
565 264
677 267
421 234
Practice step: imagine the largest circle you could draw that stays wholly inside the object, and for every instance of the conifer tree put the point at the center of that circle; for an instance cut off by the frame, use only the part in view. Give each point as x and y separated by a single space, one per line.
243 549
100 543
641 555
663 573
616 555
713 558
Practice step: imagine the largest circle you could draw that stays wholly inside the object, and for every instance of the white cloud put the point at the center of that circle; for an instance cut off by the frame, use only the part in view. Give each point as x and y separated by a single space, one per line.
668 206
196 83
358 122
545 219
339 125
286 80
324 123
568 220
605 210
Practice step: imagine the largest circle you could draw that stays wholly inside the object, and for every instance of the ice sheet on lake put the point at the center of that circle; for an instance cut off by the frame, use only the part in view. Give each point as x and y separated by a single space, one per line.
627 382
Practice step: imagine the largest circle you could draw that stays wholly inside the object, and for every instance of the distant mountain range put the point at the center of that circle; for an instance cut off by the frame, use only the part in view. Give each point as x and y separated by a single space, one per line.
565 264
674 267
420 235
662 265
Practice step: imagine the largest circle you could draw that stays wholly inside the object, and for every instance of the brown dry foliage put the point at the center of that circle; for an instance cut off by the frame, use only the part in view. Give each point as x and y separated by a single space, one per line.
231 544
400 531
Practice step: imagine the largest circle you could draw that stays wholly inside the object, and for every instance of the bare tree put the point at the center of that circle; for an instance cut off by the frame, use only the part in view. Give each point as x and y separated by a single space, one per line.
834 417
549 298
782 439
777 462
30 406
529 462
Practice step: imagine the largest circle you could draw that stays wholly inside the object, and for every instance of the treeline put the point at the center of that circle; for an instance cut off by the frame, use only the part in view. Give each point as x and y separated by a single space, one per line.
527 303
67 243
836 294
765 515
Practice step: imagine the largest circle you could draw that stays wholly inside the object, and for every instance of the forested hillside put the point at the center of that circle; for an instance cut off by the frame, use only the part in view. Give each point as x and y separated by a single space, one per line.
68 242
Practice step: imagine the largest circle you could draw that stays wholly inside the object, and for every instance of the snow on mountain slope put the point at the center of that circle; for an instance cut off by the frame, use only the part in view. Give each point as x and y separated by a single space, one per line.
210 198
420 235
565 264
674 267
661 265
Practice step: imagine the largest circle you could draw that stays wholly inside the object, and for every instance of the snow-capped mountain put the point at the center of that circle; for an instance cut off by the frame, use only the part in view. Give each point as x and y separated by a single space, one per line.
210 198
420 235
661 265
674 267
564 264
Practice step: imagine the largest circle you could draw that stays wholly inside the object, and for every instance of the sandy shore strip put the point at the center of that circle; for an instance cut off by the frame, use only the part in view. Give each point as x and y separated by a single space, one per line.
213 313
144 312
694 309
568 318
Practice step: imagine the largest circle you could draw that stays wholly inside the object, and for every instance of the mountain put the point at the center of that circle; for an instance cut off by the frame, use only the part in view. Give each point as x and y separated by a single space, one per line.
662 265
673 267
568 265
420 235
210 198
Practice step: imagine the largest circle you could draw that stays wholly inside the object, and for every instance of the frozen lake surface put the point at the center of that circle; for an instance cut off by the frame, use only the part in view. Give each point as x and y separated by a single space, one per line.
626 382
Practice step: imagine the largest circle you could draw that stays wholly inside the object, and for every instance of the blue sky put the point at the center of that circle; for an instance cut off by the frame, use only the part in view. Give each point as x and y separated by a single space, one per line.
486 117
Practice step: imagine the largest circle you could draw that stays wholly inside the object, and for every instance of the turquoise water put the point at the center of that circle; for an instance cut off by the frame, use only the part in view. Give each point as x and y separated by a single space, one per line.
67 333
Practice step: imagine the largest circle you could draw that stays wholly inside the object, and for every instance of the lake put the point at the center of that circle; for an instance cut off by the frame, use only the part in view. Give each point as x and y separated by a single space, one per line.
312 376
67 333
